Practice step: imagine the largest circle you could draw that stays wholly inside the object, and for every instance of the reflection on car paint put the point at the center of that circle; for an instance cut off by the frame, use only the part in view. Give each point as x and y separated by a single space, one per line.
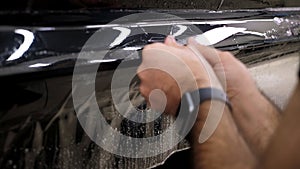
39 128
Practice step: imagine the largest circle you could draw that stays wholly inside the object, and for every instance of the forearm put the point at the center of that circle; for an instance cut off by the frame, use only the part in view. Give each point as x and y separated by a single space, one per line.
251 108
222 154
283 150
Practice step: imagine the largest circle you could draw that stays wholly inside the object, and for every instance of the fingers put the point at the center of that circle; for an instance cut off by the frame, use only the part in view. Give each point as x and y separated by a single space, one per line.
170 41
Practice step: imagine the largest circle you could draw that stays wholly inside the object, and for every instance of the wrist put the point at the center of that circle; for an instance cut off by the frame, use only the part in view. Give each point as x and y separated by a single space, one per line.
209 84
213 102
197 97
250 100
203 114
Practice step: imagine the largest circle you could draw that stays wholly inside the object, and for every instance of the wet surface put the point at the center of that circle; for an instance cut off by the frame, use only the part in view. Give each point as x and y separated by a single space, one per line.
258 30
38 124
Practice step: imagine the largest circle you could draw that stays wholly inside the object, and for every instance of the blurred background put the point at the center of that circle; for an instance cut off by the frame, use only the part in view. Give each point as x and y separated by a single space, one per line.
154 4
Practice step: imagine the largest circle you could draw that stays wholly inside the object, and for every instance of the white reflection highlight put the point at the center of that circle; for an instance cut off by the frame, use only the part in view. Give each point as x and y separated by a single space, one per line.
217 35
165 23
254 33
124 33
39 65
133 48
102 61
100 26
190 102
181 30
28 39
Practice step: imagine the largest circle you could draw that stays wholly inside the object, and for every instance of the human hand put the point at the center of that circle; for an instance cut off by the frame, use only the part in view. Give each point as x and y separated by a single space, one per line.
173 69
233 74
254 114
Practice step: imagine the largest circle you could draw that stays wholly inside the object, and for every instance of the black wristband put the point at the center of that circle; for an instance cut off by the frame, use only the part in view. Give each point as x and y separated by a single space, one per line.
191 100
213 94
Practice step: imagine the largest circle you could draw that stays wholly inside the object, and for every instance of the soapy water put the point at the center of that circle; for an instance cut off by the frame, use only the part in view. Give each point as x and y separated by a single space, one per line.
132 133
233 32
287 27
73 155
130 148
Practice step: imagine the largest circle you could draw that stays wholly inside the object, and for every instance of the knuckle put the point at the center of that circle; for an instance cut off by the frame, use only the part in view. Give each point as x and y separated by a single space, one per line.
141 75
144 91
227 54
